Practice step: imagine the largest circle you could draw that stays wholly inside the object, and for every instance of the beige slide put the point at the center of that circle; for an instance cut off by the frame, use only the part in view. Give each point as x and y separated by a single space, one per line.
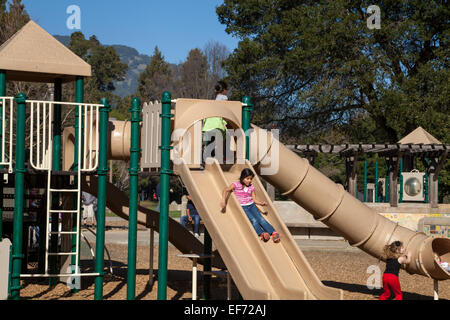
329 203
260 270
118 202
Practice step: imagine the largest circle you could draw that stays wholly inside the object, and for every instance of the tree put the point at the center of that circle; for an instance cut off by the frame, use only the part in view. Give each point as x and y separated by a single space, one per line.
310 66
105 63
11 20
194 76
215 53
155 79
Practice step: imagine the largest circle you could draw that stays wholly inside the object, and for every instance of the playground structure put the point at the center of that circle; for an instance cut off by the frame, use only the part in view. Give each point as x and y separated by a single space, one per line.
75 159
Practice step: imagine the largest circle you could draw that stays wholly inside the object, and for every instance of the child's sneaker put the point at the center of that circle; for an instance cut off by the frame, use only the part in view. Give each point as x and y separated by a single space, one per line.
275 237
265 236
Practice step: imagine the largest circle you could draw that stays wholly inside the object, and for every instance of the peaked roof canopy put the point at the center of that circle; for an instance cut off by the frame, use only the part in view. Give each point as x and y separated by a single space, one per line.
419 136
32 54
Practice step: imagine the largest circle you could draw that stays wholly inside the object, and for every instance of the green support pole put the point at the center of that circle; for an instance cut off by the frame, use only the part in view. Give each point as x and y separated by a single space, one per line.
19 172
102 173
79 97
365 180
246 119
2 94
134 171
56 166
164 198
376 183
400 199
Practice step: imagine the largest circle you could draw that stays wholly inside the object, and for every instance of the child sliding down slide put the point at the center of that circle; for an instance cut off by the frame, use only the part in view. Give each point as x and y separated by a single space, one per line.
245 194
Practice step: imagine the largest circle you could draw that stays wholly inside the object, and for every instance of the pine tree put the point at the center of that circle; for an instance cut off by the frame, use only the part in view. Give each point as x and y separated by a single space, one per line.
313 65
105 63
155 79
13 19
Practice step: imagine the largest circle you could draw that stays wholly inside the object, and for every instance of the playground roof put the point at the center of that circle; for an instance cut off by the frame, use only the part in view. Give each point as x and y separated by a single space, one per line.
33 55
419 136
418 143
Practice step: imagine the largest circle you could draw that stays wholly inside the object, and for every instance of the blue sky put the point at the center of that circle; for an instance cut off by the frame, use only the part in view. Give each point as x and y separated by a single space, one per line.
175 26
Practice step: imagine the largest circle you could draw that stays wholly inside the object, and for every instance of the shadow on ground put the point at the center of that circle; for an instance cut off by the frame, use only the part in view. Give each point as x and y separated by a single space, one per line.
375 293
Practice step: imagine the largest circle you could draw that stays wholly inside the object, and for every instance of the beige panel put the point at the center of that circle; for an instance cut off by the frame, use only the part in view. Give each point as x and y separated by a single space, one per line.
188 111
347 216
5 245
189 115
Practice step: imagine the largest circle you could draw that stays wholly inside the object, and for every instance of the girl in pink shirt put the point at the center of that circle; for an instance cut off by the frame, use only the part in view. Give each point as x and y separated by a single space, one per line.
245 194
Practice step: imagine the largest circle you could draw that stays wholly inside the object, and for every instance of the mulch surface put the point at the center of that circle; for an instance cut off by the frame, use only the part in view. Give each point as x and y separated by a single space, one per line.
349 271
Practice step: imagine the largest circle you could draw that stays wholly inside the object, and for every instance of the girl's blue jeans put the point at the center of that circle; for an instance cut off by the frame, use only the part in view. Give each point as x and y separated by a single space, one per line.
256 219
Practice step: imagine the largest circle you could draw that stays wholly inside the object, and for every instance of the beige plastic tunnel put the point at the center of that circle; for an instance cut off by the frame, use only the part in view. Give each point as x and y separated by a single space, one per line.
329 203
119 139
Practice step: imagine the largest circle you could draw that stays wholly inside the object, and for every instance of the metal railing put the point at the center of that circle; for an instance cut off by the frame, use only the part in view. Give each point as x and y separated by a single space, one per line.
41 134
7 129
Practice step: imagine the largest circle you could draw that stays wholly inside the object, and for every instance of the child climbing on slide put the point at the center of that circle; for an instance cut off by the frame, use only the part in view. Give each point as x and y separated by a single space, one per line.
395 257
245 194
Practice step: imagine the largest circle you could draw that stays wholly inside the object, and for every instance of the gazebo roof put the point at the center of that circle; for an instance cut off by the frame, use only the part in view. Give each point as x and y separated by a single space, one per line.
32 54
419 136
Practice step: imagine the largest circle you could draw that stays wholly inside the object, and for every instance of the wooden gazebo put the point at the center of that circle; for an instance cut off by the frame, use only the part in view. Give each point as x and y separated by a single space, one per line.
419 144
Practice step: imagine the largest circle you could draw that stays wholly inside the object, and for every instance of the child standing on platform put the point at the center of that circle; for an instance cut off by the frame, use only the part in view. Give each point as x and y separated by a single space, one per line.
215 124
245 194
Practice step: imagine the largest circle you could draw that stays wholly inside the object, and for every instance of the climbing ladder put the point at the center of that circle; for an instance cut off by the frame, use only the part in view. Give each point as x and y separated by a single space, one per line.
41 151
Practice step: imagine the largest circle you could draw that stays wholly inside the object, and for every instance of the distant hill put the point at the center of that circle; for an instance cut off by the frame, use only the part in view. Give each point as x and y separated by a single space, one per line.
136 64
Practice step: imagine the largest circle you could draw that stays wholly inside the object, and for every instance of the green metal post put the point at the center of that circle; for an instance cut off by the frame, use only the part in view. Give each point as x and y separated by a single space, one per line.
164 198
19 172
2 94
134 171
376 183
102 173
400 199
56 166
365 180
246 119
79 97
